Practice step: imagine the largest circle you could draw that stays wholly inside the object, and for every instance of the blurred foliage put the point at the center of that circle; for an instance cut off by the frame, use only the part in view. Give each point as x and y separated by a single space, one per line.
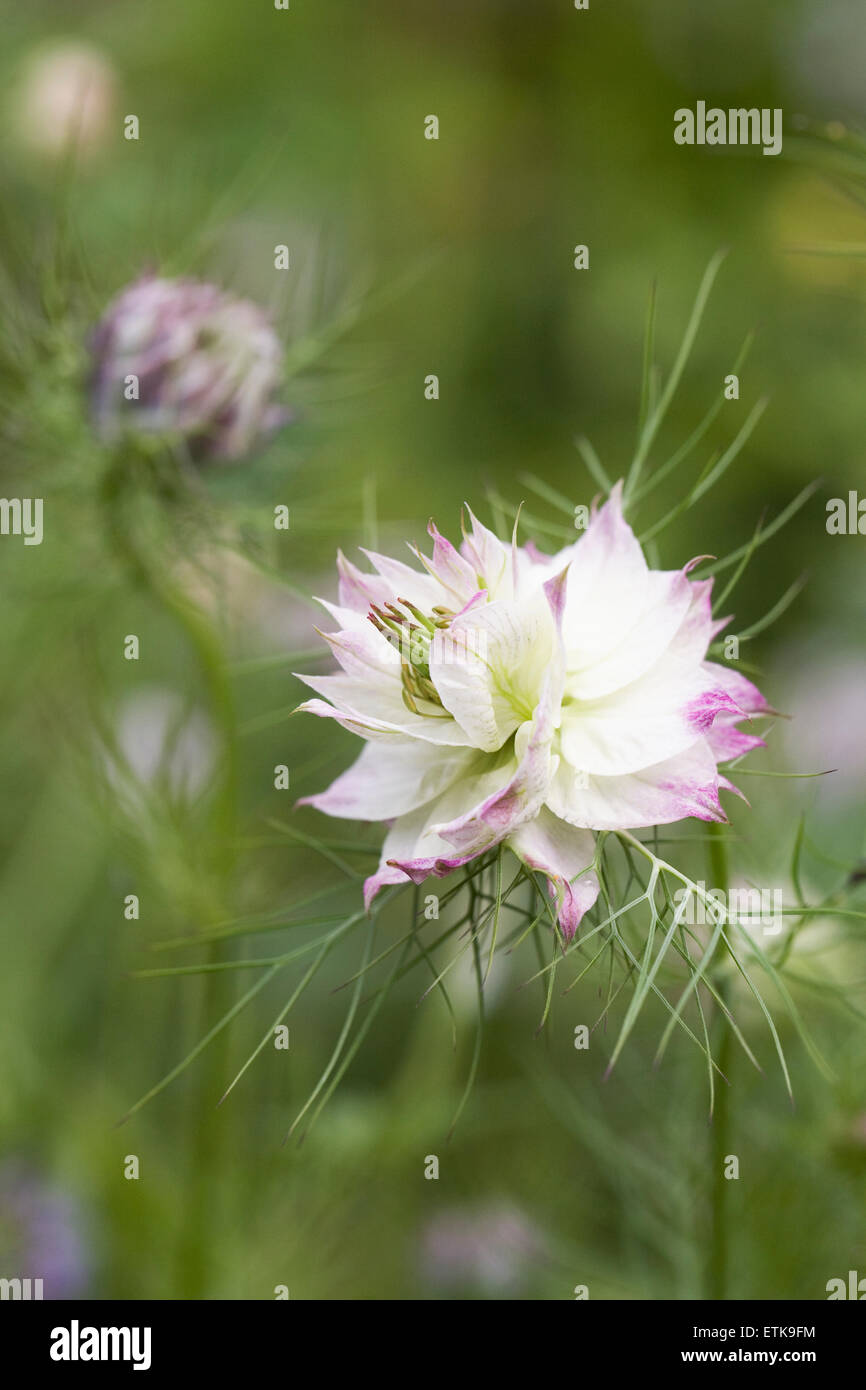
410 257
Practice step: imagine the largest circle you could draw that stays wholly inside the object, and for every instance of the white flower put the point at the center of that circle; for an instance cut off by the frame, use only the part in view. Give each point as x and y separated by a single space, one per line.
508 697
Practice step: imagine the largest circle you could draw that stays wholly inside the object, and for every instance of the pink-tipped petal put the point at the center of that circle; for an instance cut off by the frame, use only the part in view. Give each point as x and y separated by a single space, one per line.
680 787
564 855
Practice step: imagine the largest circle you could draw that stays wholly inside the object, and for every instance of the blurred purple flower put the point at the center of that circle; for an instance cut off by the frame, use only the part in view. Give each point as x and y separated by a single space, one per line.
489 1248
181 358
41 1234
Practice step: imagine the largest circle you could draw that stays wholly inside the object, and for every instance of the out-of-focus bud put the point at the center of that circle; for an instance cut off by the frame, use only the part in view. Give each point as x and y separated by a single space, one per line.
490 1249
65 101
160 745
42 1233
184 360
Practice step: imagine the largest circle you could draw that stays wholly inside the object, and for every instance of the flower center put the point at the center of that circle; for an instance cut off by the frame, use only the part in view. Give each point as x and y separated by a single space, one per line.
411 633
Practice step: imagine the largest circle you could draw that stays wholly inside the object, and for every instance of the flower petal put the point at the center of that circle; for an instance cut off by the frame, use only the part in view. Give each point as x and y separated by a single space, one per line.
488 668
522 795
453 572
489 558
413 850
404 582
685 785
383 784
399 845
608 552
620 634
358 590
656 717
745 695
378 714
564 855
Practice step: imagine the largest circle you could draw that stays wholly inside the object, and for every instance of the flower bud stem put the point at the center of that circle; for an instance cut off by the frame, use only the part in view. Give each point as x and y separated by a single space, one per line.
721 1035
198 1236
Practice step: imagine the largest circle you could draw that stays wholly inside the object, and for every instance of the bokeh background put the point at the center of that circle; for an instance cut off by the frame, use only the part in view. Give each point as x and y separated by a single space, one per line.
409 257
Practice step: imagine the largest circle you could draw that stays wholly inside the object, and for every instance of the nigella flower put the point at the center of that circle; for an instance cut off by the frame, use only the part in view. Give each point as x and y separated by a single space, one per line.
41 1233
512 698
183 359
492 1248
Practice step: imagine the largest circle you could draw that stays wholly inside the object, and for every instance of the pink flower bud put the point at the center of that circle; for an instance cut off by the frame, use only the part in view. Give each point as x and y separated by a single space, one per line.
184 360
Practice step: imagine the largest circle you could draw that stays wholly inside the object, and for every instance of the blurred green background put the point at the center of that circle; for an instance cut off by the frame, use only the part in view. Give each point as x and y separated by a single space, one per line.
410 257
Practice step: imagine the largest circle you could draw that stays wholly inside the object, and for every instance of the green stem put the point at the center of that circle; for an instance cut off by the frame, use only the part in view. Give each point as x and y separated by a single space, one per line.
206 1136
717 1264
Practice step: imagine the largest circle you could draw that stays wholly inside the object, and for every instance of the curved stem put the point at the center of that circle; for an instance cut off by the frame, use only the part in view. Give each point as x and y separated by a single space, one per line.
717 1264
205 1134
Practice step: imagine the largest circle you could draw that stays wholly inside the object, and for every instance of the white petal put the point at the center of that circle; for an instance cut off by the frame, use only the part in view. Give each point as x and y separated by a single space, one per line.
399 844
379 713
489 667
661 714
451 569
619 634
490 559
385 783
360 648
479 809
405 582
413 850
358 590
607 553
686 785
517 797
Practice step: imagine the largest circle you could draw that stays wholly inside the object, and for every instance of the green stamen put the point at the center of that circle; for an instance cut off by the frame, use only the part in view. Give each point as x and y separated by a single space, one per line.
412 640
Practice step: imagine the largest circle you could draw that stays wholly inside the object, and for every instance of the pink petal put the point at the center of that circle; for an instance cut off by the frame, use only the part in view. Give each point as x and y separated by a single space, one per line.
448 566
563 854
487 555
358 590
